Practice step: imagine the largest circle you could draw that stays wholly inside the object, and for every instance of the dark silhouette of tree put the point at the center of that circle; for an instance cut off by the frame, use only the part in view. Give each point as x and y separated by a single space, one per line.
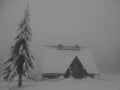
21 59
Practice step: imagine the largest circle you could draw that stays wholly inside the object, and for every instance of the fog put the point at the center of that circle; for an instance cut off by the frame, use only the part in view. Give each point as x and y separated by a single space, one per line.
92 23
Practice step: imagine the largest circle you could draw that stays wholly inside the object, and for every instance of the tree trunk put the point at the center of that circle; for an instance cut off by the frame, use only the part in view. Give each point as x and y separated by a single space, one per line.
20 80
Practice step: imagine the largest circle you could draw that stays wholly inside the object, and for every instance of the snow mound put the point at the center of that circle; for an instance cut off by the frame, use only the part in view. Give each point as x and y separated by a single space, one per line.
104 82
3 88
73 84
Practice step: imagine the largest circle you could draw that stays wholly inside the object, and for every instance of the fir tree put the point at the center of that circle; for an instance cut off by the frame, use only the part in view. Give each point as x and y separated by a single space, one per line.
20 61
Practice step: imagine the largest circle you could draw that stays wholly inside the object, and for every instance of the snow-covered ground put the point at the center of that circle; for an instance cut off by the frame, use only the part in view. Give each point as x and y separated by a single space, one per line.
104 82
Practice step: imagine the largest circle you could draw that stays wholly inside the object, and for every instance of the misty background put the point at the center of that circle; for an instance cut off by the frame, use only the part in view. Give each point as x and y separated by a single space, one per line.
92 23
